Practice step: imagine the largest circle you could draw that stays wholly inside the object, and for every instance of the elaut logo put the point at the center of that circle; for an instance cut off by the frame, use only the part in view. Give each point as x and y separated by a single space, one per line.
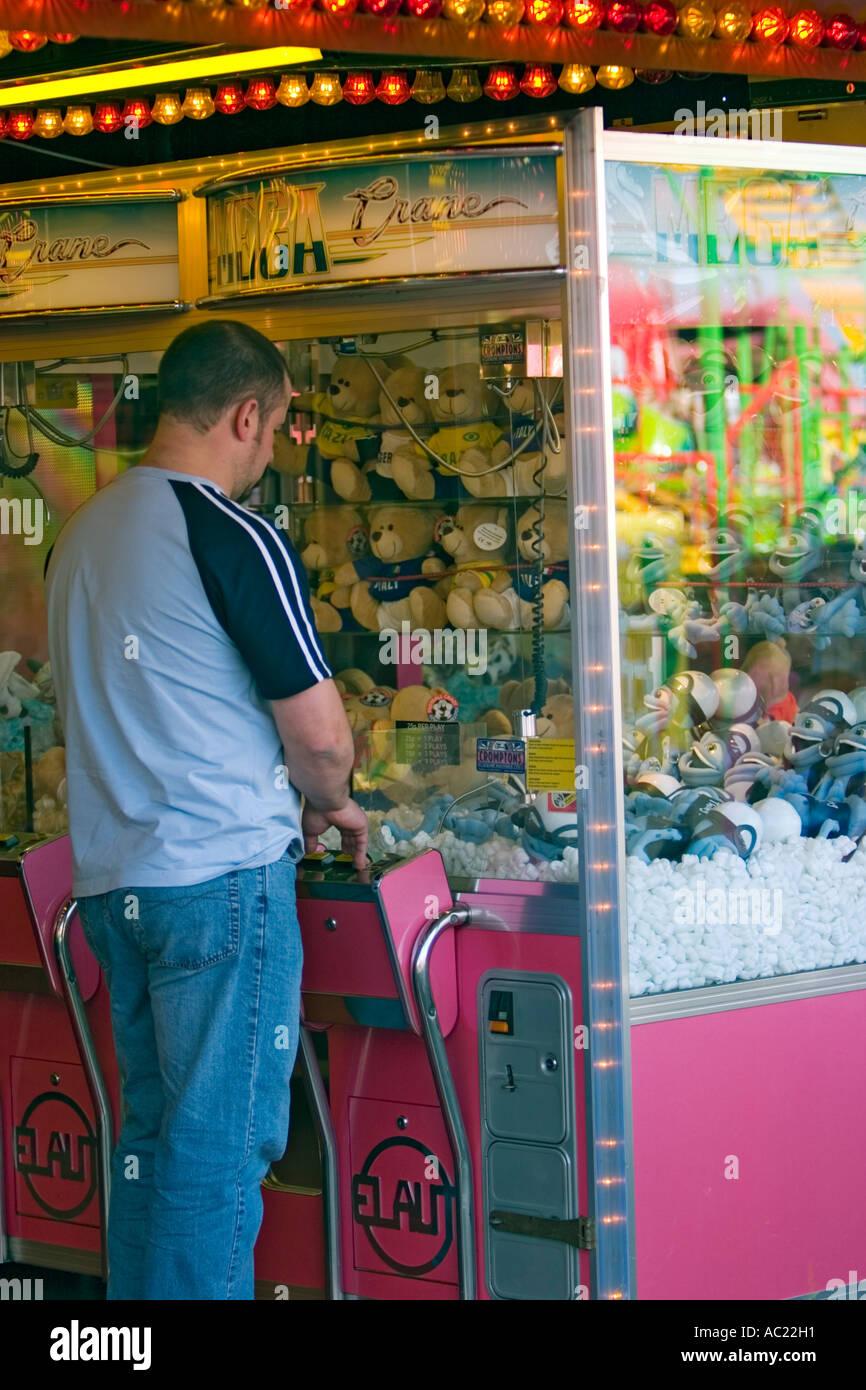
404 1202
54 1146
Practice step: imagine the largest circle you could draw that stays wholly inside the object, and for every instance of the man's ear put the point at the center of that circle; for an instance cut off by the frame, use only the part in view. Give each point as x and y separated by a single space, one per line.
245 419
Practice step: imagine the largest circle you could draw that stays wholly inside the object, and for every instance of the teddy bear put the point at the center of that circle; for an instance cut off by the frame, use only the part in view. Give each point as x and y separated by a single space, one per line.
353 681
463 439
533 469
475 539
401 403
369 708
49 792
555 719
546 537
344 413
332 537
393 584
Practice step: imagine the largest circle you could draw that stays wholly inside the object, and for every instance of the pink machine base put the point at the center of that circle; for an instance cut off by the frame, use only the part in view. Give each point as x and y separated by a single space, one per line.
749 1124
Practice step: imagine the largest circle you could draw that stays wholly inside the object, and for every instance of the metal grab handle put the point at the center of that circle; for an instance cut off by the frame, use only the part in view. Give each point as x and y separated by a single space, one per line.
92 1071
328 1139
447 1092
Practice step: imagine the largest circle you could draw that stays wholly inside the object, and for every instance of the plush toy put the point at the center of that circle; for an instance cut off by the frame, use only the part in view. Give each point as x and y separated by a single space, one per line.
394 583
533 468
769 665
352 681
363 711
475 539
49 793
333 536
463 439
13 810
344 414
13 687
402 402
515 696
544 539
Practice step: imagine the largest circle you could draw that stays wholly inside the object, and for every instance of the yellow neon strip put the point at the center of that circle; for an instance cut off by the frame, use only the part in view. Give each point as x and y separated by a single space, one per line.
155 75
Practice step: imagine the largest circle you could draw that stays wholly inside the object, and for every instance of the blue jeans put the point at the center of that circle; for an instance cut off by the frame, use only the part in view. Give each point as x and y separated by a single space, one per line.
205 1008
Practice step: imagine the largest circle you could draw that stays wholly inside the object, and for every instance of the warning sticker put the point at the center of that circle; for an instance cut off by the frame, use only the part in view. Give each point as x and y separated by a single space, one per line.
549 764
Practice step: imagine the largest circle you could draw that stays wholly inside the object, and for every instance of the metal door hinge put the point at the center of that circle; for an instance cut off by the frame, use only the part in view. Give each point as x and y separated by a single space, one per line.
579 1232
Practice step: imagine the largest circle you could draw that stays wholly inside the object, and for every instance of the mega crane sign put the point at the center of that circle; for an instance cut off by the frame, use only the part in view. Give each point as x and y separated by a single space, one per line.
415 217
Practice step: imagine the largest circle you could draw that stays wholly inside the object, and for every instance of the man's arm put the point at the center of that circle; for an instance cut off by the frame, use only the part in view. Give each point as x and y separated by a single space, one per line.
317 743
319 752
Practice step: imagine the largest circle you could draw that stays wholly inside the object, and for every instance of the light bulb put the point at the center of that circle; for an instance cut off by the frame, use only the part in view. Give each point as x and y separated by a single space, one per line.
168 108
465 84
614 77
577 78
48 122
505 13
697 20
78 120
293 89
326 89
428 87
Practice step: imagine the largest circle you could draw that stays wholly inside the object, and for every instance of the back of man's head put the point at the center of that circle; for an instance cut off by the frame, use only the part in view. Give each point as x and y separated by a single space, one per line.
215 365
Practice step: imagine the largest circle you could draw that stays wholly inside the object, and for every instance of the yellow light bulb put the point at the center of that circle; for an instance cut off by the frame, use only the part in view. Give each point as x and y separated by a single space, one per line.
505 13
5 45
167 108
78 120
428 87
614 78
198 103
576 78
697 20
326 89
734 21
293 89
463 11
465 85
48 122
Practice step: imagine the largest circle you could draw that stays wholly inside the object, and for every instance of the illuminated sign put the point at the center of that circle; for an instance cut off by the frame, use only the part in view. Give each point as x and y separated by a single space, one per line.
415 217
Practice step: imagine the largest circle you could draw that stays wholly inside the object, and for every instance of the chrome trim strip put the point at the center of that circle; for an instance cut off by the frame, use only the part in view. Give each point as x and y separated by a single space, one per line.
143 195
330 1166
212 301
747 994
414 156
167 306
90 1061
708 152
62 1257
447 1092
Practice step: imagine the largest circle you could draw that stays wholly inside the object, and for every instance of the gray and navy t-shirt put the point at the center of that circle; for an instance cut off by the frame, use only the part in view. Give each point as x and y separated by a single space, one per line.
174 616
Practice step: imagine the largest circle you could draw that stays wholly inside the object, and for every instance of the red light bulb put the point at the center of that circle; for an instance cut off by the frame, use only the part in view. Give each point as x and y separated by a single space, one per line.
139 108
770 26
585 15
63 38
659 17
422 9
3 126
841 32
385 9
622 15
546 13
340 7
393 88
538 80
261 94
107 117
20 125
26 41
501 84
807 29
230 98
359 88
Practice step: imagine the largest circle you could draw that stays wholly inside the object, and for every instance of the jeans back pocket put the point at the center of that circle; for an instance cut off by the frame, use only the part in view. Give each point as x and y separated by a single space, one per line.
189 928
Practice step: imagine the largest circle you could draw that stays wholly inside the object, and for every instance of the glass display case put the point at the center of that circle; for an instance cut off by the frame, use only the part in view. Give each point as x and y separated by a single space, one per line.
422 478
738 327
69 425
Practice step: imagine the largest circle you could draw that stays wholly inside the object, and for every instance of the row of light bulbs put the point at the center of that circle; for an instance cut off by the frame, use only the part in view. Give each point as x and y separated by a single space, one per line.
502 83
696 19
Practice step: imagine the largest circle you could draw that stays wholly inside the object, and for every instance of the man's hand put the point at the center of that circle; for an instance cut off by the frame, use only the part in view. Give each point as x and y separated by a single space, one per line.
351 822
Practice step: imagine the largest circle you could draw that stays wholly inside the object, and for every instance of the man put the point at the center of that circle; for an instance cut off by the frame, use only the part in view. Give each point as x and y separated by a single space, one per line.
197 705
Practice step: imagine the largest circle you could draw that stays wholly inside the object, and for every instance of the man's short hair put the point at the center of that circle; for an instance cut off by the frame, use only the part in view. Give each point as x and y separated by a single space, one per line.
213 366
